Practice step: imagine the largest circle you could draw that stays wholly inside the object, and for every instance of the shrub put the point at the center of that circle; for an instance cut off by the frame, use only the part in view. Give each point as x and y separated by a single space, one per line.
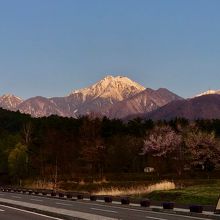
145 203
168 205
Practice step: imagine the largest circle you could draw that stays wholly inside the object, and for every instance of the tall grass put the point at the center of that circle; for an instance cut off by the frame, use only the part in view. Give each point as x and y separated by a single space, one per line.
136 190
203 194
39 184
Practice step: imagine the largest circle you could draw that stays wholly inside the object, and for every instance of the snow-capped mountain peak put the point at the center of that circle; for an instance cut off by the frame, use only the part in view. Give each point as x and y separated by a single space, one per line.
209 92
114 87
10 96
112 96
9 101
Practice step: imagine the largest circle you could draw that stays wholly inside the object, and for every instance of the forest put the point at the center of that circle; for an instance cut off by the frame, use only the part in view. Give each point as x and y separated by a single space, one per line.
56 148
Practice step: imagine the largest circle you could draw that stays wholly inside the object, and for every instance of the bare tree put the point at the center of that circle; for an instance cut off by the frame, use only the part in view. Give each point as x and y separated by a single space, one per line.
27 133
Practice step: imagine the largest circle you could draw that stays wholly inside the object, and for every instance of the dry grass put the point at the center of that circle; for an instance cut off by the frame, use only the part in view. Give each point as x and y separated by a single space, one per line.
203 194
39 185
136 190
82 182
103 180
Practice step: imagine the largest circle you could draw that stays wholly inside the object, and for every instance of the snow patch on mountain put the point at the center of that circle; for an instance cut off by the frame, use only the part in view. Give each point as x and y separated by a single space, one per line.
9 101
113 96
112 88
209 92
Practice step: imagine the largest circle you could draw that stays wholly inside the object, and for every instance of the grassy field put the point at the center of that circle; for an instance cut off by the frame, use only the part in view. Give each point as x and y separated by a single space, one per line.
117 188
187 191
204 194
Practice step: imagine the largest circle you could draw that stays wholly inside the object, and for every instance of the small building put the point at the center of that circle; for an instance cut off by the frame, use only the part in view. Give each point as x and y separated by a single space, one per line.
149 170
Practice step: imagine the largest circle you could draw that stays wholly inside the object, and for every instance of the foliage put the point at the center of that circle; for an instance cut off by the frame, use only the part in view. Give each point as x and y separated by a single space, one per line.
18 161
202 148
66 148
161 141
190 146
205 194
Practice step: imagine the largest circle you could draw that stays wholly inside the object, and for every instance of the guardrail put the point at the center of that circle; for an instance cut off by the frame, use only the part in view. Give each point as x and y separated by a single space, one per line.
108 199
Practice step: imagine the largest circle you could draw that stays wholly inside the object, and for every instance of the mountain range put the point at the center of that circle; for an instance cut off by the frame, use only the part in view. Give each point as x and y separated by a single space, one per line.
118 97
114 97
201 107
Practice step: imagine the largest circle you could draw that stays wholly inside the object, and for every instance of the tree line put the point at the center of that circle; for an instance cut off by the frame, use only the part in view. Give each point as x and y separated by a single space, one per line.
65 148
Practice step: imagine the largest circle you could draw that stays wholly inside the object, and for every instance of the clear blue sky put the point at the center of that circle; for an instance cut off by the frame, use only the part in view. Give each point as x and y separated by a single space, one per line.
50 47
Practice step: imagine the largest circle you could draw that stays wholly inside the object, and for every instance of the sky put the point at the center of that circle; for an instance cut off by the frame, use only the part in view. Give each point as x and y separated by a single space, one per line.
51 47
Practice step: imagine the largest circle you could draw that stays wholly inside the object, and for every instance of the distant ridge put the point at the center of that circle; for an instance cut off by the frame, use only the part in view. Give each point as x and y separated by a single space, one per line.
9 101
143 102
112 96
201 107
209 92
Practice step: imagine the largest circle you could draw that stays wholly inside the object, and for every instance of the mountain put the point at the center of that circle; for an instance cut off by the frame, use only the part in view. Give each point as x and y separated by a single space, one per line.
113 96
9 101
103 94
202 107
143 102
39 107
117 88
95 99
210 92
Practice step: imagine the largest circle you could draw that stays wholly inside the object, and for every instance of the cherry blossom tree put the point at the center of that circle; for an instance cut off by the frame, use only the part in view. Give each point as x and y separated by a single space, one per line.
161 141
202 148
164 143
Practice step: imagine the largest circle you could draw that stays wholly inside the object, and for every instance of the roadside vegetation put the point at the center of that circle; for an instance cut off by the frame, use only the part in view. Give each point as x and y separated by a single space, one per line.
103 156
205 194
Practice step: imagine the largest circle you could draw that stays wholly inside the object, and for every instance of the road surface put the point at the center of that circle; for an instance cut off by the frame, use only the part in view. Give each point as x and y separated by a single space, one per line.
101 209
10 213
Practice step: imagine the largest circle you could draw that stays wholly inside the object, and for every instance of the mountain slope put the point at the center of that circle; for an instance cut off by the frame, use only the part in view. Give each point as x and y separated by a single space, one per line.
202 107
113 96
103 94
39 107
94 99
143 102
9 101
116 88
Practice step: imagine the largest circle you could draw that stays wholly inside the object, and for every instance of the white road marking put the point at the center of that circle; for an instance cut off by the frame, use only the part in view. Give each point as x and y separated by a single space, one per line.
146 211
183 216
59 203
37 200
137 210
34 213
155 218
49 198
104 210
16 197
1 210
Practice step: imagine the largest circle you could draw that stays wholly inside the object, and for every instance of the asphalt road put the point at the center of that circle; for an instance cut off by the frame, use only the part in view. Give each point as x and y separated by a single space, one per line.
10 213
114 211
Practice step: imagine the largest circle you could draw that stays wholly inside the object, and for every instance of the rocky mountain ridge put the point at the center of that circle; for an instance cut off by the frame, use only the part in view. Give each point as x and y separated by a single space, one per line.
201 107
209 92
113 96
